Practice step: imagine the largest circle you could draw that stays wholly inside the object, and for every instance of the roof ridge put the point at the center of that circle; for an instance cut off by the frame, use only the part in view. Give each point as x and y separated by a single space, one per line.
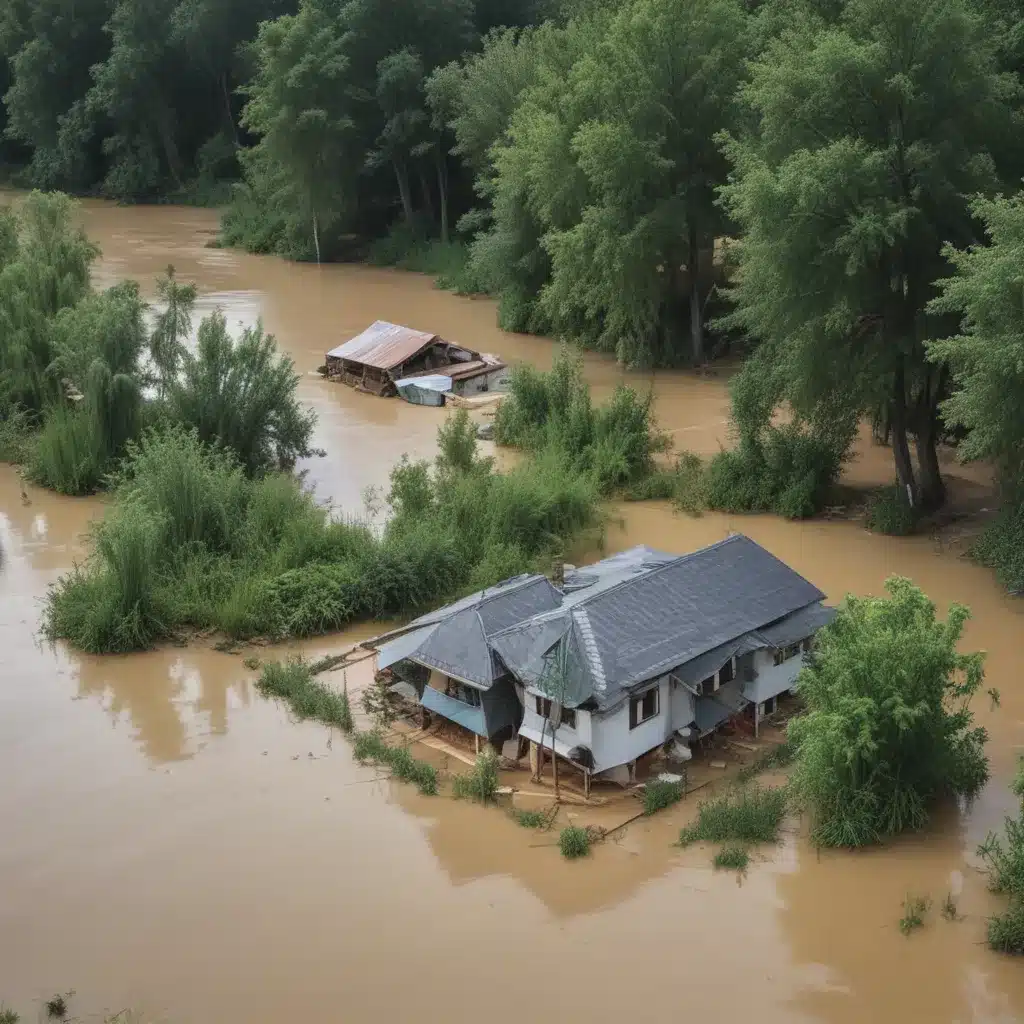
605 591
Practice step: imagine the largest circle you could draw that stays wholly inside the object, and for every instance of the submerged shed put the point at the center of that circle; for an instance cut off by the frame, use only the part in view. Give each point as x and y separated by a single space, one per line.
385 353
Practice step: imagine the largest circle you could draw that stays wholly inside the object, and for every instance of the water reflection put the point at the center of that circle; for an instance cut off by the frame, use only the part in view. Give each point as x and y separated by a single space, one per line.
173 700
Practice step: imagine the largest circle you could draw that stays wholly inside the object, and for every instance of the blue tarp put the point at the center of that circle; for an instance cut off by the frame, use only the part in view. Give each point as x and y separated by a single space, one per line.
455 711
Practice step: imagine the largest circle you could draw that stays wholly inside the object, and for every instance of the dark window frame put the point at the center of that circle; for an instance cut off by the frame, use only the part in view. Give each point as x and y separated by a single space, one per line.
542 705
637 706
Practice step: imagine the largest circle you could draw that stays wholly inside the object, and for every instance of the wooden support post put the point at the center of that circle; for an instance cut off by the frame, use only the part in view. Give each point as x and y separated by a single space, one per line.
586 783
534 760
757 719
476 744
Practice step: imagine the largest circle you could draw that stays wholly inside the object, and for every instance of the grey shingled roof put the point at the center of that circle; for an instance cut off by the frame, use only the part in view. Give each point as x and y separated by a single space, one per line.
655 613
455 638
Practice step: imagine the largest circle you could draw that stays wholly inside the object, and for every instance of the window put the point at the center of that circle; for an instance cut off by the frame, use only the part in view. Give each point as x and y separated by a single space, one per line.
786 653
769 706
643 707
466 694
707 686
727 673
543 706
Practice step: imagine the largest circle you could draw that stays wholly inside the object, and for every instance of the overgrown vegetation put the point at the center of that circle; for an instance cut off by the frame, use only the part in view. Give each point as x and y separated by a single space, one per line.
372 748
552 412
888 729
1004 858
914 909
293 682
481 783
949 909
532 819
731 858
889 512
751 815
574 842
192 541
83 375
661 793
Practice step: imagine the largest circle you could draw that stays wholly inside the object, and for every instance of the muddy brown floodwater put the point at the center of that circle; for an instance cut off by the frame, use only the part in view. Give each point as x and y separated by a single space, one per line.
173 842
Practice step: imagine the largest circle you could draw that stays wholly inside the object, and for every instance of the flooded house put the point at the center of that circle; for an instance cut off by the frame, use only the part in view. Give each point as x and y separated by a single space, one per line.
387 358
640 651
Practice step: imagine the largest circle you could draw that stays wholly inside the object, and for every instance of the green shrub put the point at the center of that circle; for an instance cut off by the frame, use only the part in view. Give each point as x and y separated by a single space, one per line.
731 858
1001 545
1004 858
17 435
1005 931
409 249
552 412
480 784
8 1016
785 470
293 682
531 819
745 816
889 512
574 842
876 749
660 793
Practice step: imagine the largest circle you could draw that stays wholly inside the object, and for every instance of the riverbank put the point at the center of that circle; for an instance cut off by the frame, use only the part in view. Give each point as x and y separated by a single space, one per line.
209 827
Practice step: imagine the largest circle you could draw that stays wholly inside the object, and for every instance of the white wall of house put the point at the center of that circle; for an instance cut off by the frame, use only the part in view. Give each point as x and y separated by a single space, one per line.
682 703
565 737
614 743
774 679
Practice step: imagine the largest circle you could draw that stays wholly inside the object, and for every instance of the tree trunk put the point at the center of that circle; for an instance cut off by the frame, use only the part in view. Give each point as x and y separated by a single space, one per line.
442 192
696 319
926 438
900 443
170 145
316 238
229 113
428 199
402 176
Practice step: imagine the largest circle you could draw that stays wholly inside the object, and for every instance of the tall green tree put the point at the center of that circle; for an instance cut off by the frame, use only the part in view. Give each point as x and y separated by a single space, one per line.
51 75
866 136
626 253
299 109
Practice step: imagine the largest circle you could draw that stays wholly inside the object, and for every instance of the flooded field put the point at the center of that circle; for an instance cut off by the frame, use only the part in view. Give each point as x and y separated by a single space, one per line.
169 840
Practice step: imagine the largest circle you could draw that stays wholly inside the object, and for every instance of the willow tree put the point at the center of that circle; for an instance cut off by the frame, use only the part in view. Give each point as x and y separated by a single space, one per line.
987 362
172 326
865 138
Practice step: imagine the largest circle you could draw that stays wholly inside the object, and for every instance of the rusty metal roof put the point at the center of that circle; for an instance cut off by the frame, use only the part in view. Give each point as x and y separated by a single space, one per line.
384 346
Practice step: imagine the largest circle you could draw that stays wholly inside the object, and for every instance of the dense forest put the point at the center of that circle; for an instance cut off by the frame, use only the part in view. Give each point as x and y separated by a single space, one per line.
830 185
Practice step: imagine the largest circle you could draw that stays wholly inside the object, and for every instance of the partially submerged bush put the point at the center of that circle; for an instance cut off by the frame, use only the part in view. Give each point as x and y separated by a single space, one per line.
574 842
888 728
914 909
1004 858
731 858
661 793
480 784
531 819
889 512
293 682
779 756
552 411
745 816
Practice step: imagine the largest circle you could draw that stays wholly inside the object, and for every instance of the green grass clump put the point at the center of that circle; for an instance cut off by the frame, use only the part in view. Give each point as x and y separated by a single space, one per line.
480 784
949 908
293 682
659 794
1004 858
745 816
552 411
531 819
914 909
574 842
1005 931
889 512
8 1016
371 747
731 858
779 756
